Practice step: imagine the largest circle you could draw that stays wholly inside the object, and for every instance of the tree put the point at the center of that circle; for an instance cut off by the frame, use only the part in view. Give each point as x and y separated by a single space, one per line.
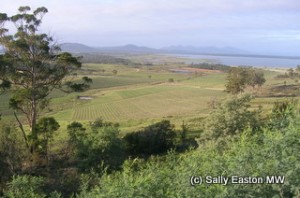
32 67
236 80
231 118
255 77
45 128
11 152
239 78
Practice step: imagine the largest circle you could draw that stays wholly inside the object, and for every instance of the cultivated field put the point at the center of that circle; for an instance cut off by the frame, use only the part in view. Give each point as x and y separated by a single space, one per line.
137 96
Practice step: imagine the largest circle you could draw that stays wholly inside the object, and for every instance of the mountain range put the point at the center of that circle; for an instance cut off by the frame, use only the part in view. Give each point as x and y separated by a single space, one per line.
80 48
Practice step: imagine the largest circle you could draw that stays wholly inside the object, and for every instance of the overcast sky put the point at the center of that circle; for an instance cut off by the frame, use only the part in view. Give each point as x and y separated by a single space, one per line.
261 26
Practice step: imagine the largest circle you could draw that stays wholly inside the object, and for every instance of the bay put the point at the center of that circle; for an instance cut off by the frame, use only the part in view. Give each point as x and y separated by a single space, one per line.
277 62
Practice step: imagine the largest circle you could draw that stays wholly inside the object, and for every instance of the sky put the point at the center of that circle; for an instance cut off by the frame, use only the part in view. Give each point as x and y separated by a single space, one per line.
257 26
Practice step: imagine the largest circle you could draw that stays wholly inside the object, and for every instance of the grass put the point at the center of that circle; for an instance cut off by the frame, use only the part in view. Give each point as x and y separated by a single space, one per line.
4 101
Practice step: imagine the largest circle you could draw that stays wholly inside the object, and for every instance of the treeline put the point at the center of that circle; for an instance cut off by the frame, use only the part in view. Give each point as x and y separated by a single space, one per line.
210 66
110 59
104 59
237 140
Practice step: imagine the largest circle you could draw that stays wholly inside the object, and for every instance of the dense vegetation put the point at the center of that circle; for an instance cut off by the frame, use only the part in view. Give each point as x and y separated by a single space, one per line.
211 66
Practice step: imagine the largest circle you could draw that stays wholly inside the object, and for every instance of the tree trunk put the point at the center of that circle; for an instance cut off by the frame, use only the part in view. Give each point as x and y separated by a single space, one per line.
33 130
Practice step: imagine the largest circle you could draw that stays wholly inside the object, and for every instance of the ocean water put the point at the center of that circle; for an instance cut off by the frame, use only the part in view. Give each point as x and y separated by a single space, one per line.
243 61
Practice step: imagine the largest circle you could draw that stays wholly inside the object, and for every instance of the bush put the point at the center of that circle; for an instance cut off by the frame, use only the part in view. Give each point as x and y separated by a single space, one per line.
231 118
96 148
154 139
12 152
171 80
25 186
282 114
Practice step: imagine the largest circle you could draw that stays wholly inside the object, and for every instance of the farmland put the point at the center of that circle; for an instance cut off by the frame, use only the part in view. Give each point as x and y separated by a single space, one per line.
137 96
134 99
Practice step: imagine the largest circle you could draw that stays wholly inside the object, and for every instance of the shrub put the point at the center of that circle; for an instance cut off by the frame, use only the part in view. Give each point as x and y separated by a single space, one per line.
231 118
96 148
154 139
25 186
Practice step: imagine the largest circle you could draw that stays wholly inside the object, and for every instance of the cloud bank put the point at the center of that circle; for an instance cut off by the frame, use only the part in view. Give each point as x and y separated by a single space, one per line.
253 24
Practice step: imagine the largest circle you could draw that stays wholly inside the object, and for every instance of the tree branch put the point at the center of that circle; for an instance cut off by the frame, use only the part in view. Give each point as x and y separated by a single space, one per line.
22 129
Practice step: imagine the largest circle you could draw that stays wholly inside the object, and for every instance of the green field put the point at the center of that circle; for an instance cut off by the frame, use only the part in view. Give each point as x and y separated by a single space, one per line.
133 99
137 96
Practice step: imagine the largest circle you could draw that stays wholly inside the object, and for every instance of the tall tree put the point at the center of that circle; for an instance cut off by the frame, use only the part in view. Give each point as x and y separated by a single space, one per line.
236 80
255 78
32 67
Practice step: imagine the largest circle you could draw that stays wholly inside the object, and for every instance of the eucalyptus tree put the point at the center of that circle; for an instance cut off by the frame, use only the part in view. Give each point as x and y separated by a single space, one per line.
32 66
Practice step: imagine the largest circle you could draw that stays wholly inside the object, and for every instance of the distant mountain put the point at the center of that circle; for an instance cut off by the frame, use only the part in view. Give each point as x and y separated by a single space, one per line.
80 48
127 49
76 48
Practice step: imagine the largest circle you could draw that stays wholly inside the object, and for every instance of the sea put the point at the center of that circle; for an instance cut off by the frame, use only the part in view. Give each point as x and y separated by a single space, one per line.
265 62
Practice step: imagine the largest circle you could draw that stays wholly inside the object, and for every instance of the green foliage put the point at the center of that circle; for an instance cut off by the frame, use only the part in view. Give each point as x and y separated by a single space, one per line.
47 125
171 80
25 186
13 155
255 78
282 114
79 87
99 123
96 148
45 129
157 138
211 66
12 151
236 80
269 153
104 59
231 118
